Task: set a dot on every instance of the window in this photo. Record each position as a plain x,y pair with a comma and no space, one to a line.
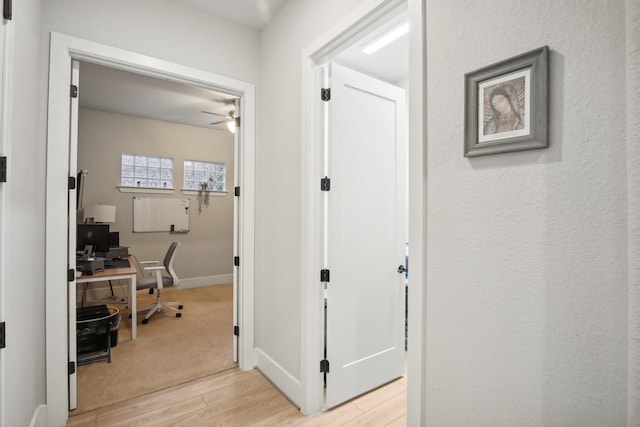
197,173
146,171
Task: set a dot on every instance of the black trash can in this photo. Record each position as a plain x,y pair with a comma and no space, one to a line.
97,332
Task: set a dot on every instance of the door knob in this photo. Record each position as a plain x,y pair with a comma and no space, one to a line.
402,269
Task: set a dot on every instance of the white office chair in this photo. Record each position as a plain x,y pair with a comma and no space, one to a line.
159,281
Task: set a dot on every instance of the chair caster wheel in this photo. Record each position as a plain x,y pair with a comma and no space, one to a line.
180,307
145,321
178,314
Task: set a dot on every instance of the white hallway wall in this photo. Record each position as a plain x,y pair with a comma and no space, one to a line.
161,29
527,259
632,46
278,190
22,297
526,265
158,28
527,304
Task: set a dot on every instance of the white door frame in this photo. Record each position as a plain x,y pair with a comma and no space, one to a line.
6,56
63,49
322,50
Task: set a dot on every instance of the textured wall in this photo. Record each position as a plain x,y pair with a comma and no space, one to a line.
527,266
633,165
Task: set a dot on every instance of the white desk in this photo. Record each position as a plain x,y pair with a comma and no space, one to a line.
115,274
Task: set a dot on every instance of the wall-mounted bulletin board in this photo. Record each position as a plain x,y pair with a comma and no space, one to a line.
153,214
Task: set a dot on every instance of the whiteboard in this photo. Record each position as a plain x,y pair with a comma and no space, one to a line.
160,214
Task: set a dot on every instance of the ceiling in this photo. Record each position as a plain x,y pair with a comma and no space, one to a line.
390,63
123,92
249,13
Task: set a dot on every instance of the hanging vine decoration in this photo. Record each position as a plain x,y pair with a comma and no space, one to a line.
203,197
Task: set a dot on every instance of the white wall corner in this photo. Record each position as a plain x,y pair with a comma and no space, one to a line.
39,418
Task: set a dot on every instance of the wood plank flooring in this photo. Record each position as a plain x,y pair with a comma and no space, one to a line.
238,398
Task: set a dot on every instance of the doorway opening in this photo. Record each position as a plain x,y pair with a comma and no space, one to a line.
365,230
65,49
328,50
122,112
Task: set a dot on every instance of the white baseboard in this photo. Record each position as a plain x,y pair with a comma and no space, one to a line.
39,418
198,282
287,383
100,291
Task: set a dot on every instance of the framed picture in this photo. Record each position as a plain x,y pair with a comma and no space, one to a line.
507,105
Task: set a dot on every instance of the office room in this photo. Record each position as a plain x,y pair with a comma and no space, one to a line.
110,125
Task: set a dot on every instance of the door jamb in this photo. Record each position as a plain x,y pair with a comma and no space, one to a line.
6,94
63,49
322,50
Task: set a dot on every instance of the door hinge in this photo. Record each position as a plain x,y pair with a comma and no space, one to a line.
3,169
7,10
325,94
236,191
236,261
236,331
325,184
324,275
72,183
324,366
71,275
237,122
74,91
3,339
71,368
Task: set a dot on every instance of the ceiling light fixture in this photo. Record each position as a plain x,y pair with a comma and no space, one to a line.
386,38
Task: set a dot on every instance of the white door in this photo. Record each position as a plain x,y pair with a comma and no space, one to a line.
365,233
71,245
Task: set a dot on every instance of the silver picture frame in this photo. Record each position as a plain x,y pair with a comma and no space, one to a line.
507,105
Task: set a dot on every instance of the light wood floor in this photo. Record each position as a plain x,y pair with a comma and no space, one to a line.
238,398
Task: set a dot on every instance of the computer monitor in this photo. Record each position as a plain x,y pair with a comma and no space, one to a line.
96,235
114,239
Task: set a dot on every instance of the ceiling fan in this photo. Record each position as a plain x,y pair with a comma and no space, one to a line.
229,119
231,116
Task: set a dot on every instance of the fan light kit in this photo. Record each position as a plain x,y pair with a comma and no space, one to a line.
229,119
